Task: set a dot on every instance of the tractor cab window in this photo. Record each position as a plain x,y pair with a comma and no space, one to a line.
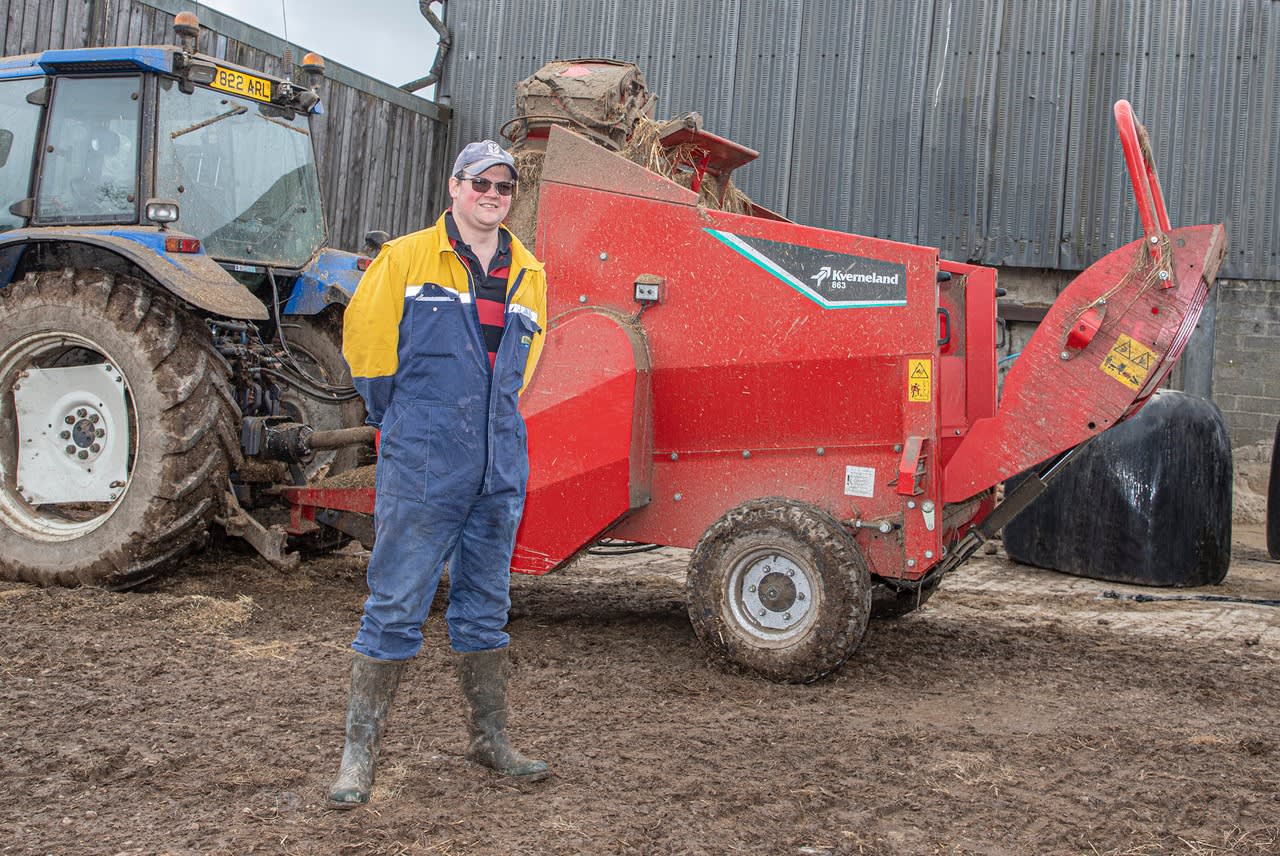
90,171
19,129
243,173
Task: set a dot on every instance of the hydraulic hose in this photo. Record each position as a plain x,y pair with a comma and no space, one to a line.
310,388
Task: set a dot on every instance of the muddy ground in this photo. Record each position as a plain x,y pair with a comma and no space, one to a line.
1016,713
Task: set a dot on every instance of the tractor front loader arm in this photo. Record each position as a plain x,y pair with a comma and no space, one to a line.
1105,345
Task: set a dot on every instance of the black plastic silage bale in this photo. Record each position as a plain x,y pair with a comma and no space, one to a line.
1147,502
1273,500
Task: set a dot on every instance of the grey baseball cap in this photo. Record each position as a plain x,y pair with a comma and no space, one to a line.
475,158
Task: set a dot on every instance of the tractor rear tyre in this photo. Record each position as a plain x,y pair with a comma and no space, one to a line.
315,341
781,588
172,420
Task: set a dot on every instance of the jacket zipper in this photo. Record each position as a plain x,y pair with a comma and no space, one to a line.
485,486
476,336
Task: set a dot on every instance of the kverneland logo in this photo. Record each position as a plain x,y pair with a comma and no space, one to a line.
840,278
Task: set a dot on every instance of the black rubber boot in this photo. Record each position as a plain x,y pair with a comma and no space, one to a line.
373,688
483,675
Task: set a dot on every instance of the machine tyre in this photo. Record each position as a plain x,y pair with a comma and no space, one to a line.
316,344
888,603
781,588
182,423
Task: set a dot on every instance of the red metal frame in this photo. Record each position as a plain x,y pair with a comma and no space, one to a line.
967,380
719,155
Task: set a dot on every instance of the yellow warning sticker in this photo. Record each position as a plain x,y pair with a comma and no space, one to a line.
919,380
1129,362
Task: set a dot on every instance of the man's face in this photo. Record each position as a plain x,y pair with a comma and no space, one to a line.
480,211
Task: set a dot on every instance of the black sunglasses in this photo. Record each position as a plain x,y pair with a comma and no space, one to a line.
482,185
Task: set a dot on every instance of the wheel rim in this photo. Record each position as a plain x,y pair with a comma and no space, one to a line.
61,521
772,596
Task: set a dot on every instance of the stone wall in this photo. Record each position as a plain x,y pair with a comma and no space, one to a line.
1246,370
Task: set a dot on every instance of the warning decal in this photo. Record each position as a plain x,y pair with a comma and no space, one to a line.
1129,362
860,481
919,380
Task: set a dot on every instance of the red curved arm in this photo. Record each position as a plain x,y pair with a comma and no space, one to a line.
1142,170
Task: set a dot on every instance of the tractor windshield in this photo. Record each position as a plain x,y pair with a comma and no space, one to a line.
243,174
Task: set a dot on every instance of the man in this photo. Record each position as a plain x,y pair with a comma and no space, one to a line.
442,334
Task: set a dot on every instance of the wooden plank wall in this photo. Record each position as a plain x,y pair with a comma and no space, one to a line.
382,153
32,25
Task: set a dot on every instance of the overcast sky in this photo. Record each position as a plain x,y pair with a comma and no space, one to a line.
386,39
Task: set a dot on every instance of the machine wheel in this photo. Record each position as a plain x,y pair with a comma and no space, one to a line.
888,602
781,588
316,344
101,371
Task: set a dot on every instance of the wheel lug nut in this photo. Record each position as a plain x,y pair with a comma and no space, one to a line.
69,419
94,418
762,613
71,450
65,435
800,596
82,413
82,454
95,448
786,617
791,573
751,588
100,433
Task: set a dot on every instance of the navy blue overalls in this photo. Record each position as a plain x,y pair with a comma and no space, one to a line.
451,475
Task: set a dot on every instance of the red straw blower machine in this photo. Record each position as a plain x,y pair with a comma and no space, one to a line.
814,413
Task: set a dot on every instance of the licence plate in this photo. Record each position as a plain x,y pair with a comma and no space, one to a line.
239,83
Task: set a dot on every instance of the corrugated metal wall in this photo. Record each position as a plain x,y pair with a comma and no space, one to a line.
380,150
982,127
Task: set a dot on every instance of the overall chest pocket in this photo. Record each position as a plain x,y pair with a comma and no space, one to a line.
436,322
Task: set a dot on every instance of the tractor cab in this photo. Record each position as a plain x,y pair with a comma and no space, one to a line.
154,136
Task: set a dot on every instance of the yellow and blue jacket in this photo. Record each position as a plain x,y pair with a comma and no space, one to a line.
412,332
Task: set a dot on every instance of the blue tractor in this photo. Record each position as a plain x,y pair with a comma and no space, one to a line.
170,319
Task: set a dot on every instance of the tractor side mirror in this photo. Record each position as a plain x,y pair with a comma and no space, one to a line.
373,241
6,145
